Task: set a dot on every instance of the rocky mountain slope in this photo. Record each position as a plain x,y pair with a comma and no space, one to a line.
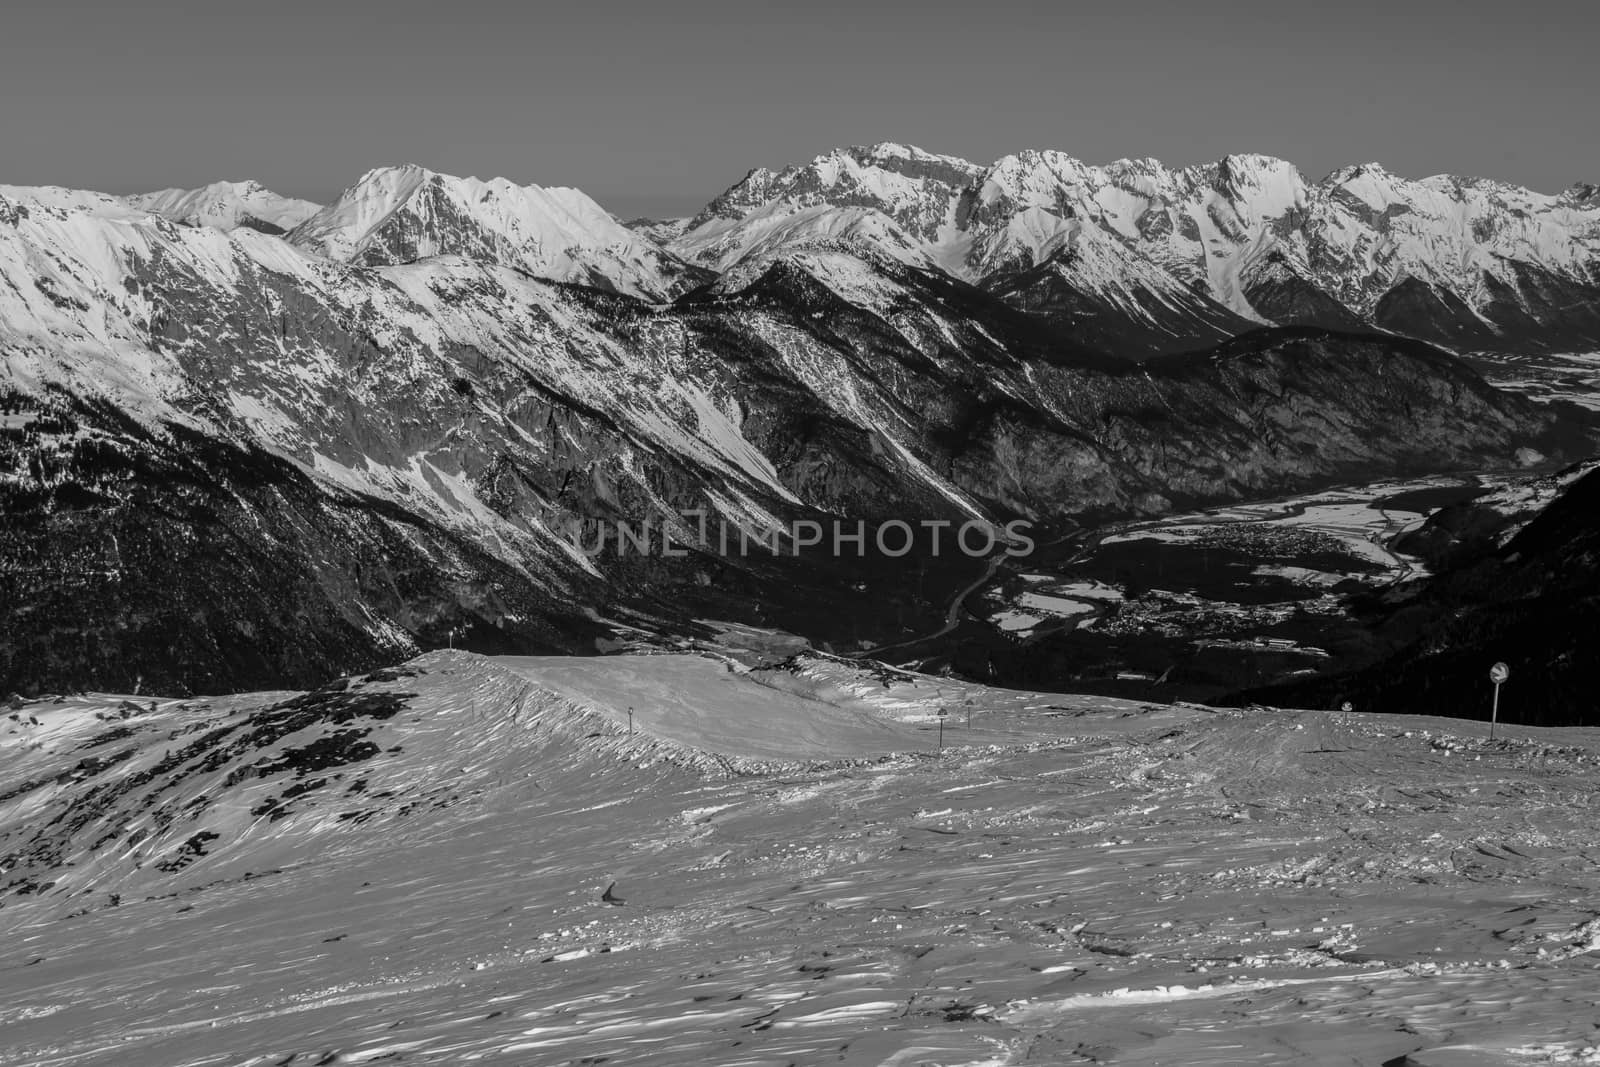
1466,262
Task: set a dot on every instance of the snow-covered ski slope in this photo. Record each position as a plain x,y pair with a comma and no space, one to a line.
410,869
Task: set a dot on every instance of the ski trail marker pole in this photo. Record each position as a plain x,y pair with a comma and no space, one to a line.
1498,675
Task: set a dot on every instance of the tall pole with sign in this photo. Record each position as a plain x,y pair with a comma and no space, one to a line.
1498,675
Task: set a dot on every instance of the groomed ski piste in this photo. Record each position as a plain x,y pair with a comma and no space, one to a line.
680,859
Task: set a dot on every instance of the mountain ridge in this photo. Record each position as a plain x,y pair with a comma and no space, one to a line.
1247,232
1473,264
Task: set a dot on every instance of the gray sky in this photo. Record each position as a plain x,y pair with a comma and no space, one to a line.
655,107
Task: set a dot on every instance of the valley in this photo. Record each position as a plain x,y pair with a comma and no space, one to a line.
1195,605
1572,377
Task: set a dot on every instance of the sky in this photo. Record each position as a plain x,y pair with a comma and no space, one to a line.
655,107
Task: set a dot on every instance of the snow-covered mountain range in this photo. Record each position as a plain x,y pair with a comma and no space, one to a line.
1462,261
1177,257
380,425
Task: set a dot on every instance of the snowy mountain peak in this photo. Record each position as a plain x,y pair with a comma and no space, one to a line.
1371,184
887,155
394,174
1031,166
1143,165
898,150
1251,171
909,185
405,213
1254,161
1354,170
228,205
63,201
913,161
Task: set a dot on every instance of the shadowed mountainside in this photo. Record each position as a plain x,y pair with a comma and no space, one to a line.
1532,602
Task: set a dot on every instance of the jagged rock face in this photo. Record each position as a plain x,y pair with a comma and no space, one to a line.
1502,268
400,447
1283,292
1531,600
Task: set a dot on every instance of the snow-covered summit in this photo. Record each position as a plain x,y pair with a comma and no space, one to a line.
62,201
228,205
405,213
909,185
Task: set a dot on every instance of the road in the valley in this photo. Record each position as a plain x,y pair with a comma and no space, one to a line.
952,615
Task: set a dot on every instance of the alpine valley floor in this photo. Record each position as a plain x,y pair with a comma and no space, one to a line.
410,868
